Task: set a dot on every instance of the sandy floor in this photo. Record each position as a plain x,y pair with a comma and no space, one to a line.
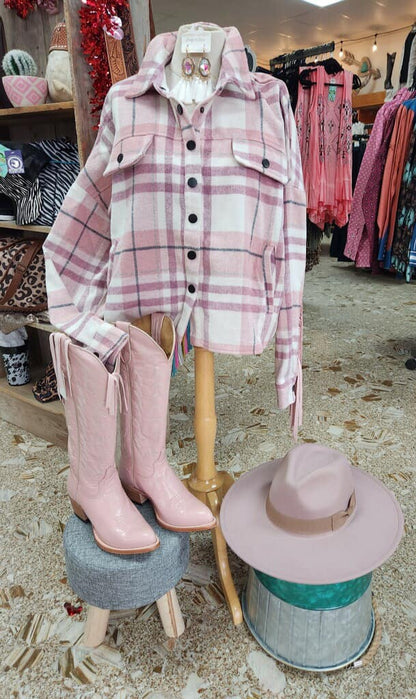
358,398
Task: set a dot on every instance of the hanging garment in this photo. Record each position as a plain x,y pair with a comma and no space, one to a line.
339,233
362,227
324,123
199,215
404,248
408,59
392,178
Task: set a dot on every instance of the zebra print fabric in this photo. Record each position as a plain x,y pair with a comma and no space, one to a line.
26,196
56,177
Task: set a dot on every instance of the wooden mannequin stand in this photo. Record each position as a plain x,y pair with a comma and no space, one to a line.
206,483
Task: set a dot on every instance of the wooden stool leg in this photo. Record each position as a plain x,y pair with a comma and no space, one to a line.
170,614
95,626
206,483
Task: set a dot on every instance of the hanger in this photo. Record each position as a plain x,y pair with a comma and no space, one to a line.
305,82
300,54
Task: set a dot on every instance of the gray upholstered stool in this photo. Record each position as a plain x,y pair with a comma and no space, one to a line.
108,581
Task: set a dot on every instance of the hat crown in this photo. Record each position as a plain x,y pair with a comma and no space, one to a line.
59,40
311,482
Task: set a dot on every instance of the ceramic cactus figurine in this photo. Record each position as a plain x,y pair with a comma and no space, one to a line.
17,62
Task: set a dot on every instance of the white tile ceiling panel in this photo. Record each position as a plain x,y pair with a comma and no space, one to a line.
275,26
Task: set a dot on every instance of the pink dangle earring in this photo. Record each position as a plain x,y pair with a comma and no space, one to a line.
204,66
188,66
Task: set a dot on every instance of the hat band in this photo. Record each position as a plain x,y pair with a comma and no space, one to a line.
322,525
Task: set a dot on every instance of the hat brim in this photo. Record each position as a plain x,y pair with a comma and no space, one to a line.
367,540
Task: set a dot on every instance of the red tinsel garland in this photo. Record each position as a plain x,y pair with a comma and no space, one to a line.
97,16
21,7
24,7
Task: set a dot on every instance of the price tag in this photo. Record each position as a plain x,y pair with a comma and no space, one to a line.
332,91
3,164
196,41
14,162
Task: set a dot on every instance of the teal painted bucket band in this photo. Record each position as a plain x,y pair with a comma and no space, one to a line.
319,597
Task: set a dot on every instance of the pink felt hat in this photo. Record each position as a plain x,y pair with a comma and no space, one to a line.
311,518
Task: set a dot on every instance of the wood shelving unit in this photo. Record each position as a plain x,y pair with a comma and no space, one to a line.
367,105
11,226
51,110
18,406
63,119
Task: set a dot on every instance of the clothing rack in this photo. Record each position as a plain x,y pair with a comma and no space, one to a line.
300,54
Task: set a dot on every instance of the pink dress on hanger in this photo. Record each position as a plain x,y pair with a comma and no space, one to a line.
324,122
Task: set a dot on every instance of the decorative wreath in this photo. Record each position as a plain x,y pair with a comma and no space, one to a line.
25,7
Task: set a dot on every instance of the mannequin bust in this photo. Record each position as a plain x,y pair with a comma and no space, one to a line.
193,89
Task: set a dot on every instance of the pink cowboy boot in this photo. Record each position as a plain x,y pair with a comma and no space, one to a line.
144,471
90,396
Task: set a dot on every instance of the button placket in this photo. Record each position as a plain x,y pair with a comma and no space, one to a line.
192,214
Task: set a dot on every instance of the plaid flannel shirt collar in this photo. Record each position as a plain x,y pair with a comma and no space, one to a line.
234,67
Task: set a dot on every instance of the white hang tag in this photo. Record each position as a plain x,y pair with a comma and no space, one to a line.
196,41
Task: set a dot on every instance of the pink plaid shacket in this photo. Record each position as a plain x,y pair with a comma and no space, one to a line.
200,215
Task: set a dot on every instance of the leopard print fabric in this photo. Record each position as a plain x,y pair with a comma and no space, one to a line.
30,296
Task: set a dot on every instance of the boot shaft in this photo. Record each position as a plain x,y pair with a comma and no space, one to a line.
90,395
146,370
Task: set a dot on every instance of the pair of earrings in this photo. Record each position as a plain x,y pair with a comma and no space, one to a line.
189,69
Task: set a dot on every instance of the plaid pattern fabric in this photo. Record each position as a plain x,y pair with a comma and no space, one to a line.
200,215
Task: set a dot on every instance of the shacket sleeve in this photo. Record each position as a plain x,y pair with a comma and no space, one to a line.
288,352
77,253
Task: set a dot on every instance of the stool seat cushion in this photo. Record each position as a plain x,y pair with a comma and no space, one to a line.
113,581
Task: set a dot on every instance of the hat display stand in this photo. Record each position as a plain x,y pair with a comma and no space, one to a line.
107,581
310,627
312,529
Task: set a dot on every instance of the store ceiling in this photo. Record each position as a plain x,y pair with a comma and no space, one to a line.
275,26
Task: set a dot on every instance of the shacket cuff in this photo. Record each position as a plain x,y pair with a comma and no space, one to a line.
114,337
286,394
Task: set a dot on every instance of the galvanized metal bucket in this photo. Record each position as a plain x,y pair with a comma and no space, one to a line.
310,627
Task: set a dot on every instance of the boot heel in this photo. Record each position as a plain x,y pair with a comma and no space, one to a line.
78,510
134,494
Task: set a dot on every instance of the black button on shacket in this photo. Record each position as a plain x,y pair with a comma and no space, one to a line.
265,162
192,218
191,255
191,289
180,109
192,182
191,145
120,157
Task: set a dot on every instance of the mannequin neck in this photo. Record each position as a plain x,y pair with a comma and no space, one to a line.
174,68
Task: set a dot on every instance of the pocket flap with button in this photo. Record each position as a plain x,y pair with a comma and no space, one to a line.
128,152
263,157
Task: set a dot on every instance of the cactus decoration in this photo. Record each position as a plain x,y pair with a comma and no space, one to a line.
17,62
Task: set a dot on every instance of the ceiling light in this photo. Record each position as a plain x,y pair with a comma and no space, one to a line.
375,43
341,50
322,3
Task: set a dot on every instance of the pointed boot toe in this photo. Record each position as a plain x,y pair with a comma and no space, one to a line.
175,507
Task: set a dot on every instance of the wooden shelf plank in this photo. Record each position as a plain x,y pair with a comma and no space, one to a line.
369,100
49,110
11,225
41,325
19,407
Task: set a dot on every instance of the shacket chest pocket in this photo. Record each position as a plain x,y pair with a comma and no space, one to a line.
124,168
264,207
126,153
269,160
